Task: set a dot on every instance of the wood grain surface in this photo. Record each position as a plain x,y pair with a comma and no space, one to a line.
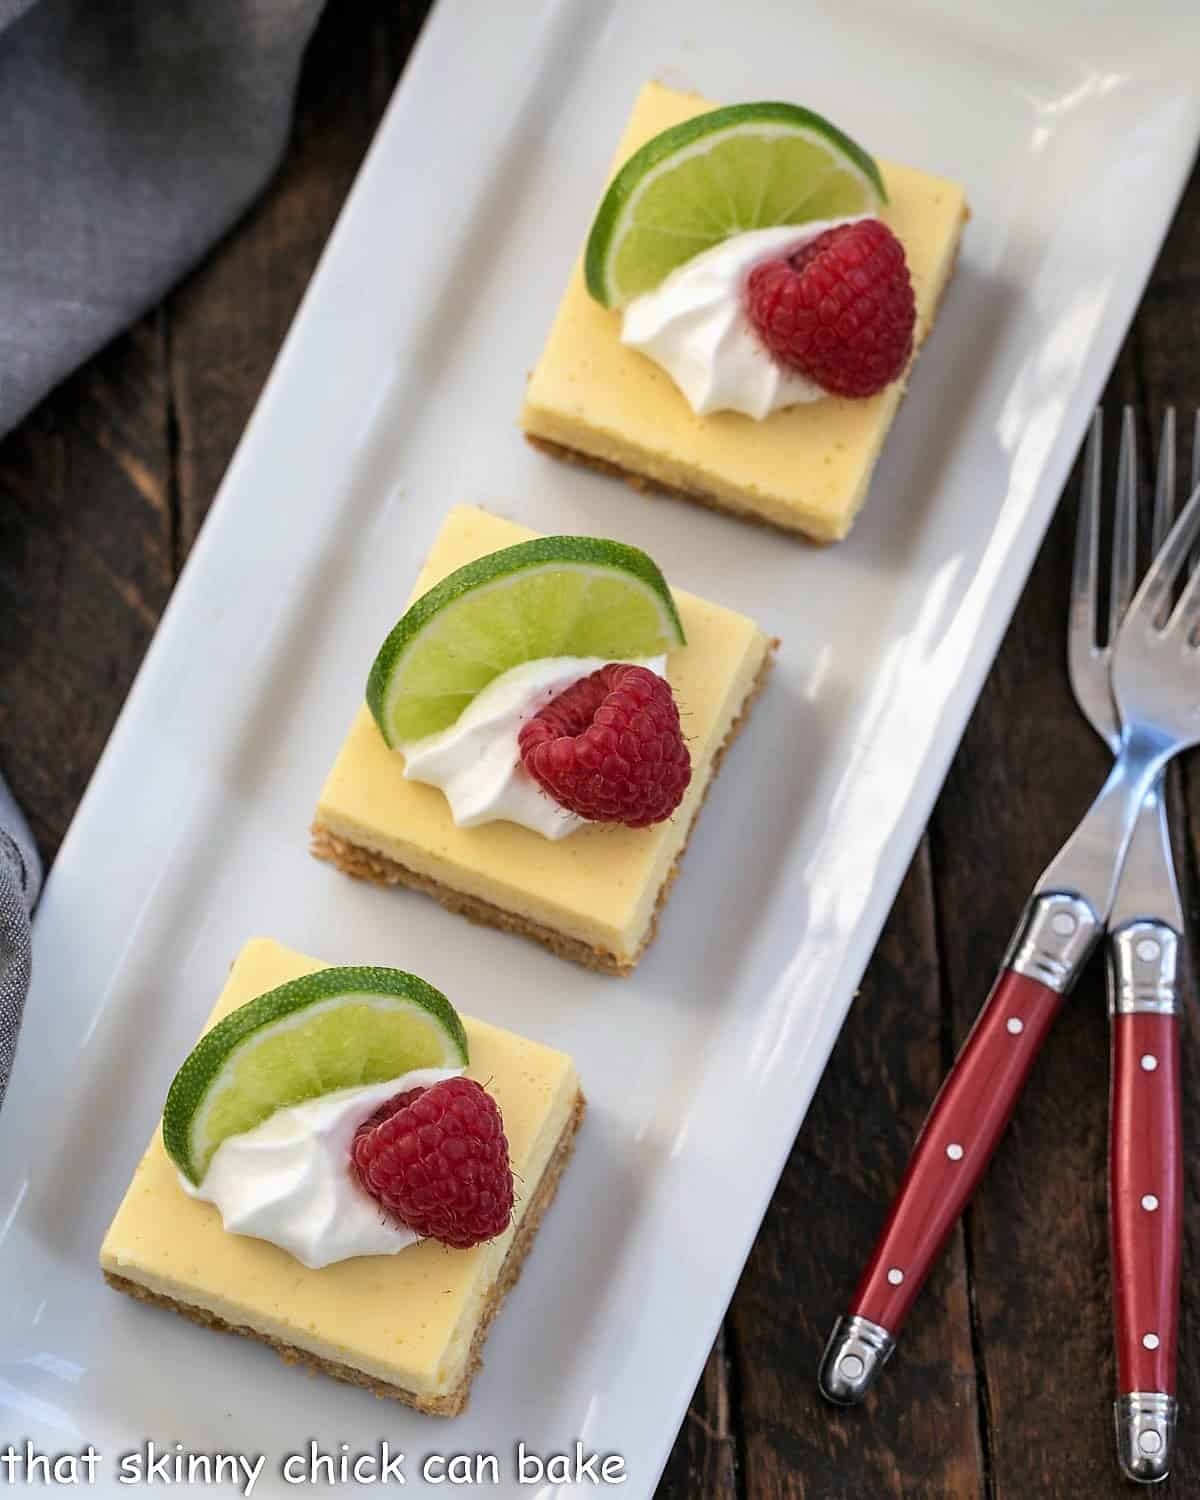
1001,1384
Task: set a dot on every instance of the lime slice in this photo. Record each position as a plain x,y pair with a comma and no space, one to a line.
554,596
748,166
331,1030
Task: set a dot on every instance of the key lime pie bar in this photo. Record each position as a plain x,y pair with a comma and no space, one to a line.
539,733
741,326
350,1172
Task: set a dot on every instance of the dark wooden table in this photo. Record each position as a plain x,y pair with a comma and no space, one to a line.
1001,1384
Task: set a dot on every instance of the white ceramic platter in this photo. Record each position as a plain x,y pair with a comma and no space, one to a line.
396,394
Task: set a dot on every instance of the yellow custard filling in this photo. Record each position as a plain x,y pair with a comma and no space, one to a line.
601,884
807,467
407,1319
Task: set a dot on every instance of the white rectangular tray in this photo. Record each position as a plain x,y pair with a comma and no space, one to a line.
395,395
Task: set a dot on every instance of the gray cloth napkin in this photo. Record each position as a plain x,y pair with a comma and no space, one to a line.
132,134
20,881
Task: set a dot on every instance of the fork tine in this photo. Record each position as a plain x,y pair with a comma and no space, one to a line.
1195,480
1164,484
1195,453
1086,567
1186,615
1164,495
1124,551
1163,573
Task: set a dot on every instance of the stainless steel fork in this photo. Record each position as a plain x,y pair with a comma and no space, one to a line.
1155,681
1145,941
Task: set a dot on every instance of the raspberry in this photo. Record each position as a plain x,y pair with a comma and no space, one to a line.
610,748
437,1160
839,310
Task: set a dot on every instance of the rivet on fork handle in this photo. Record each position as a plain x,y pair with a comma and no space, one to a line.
1145,1422
1060,929
856,1352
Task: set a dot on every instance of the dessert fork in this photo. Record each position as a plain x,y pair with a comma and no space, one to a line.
1145,938
1154,675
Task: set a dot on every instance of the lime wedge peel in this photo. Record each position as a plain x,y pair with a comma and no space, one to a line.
746,166
553,596
335,1029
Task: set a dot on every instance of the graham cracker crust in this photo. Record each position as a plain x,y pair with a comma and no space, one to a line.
455,1401
644,484
364,864
647,486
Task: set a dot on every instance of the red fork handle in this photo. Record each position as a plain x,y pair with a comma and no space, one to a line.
1146,1213
956,1143
1146,1198
1057,932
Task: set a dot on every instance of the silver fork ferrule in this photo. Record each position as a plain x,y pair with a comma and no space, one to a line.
1144,956
1145,1423
856,1352
1054,939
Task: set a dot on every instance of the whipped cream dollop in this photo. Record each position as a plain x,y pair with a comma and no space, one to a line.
476,761
289,1179
694,325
